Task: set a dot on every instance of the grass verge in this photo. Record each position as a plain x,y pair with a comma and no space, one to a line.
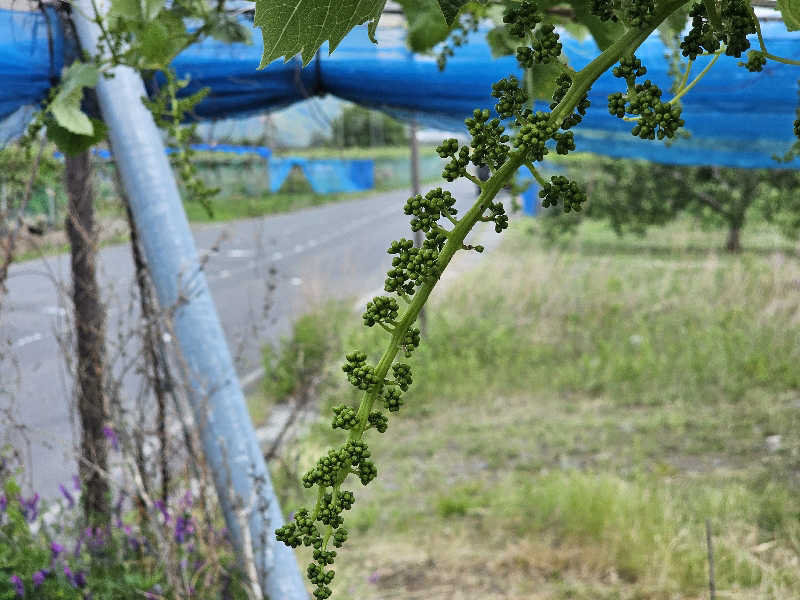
577,414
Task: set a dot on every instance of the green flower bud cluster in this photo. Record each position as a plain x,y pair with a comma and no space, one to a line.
327,469
392,399
344,417
736,21
522,18
701,37
512,98
378,420
429,209
629,68
359,373
657,119
301,531
534,134
488,140
755,61
320,577
605,10
498,215
381,309
559,188
457,167
637,14
402,375
737,24
545,45
563,83
410,340
410,267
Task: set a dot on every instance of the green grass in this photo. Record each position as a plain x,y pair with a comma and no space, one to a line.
577,414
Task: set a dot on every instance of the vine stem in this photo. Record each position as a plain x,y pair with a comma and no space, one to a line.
697,79
583,80
780,59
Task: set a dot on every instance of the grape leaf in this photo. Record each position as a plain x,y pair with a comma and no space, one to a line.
66,106
426,24
72,143
291,27
450,9
141,10
790,11
604,33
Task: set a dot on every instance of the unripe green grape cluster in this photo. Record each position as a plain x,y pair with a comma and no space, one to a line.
561,190
756,60
656,119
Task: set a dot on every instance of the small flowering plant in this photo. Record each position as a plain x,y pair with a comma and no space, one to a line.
64,559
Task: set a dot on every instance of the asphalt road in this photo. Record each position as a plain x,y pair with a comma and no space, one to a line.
332,251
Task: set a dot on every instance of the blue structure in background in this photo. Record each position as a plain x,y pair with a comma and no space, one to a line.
326,176
734,117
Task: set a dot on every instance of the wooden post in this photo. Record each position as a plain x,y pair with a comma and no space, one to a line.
90,339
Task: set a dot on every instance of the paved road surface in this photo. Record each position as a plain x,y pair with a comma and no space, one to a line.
333,251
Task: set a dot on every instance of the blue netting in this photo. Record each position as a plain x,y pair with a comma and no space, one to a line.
735,118
326,176
31,57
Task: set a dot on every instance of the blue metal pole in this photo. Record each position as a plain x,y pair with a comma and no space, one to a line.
231,448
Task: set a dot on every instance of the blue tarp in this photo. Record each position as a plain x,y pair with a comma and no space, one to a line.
261,151
734,117
326,176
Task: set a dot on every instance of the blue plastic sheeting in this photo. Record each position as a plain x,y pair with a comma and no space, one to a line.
31,57
326,176
261,151
735,118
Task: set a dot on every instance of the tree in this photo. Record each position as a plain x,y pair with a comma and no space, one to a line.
360,127
633,195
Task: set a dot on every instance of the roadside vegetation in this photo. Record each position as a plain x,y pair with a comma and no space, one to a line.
574,421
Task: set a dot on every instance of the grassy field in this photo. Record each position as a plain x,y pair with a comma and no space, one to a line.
578,413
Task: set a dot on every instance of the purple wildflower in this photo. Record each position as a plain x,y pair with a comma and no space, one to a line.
56,549
30,508
70,577
80,579
39,577
3,503
374,577
163,508
64,492
183,528
111,436
76,483
19,587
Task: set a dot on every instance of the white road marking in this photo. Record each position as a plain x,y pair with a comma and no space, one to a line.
296,281
224,274
276,256
312,243
54,310
240,253
299,248
28,339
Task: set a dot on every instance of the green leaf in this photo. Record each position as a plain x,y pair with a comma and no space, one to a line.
66,106
229,30
426,25
604,33
540,81
291,27
160,41
501,42
790,11
450,9
71,143
136,10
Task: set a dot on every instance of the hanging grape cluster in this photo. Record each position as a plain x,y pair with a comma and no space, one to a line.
504,139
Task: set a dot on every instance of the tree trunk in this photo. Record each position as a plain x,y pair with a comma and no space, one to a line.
90,334
732,244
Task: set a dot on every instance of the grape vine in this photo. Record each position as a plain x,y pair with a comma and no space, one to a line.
517,136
